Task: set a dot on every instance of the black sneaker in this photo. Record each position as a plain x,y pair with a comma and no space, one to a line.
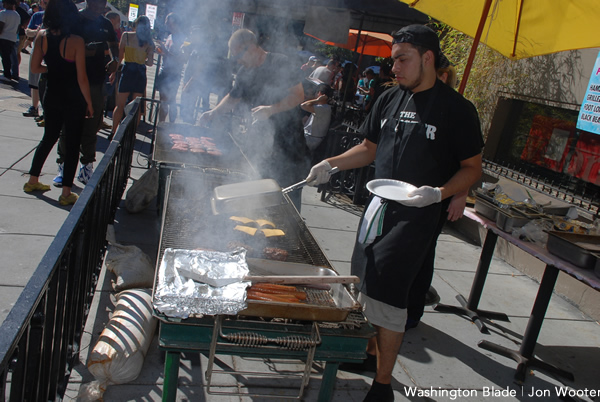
432,297
31,112
380,393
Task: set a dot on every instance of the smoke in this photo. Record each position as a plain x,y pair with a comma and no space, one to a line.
208,75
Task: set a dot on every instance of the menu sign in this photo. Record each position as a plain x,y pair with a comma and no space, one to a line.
151,13
589,114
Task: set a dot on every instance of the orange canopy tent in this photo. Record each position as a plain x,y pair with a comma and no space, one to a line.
364,42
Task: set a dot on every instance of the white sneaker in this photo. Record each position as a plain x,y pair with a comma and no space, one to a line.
57,181
85,173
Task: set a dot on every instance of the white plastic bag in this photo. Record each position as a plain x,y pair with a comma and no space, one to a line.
132,267
142,192
119,354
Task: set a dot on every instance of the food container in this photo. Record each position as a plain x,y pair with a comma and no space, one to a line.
509,219
246,196
579,249
486,208
597,269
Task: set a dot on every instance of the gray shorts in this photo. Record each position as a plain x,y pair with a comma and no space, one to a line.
383,315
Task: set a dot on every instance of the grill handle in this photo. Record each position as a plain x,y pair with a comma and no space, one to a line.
303,279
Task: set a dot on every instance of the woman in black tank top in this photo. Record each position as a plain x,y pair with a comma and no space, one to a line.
67,100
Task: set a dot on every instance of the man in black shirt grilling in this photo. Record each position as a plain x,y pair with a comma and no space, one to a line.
423,133
271,87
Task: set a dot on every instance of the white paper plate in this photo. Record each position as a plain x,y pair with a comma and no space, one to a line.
389,189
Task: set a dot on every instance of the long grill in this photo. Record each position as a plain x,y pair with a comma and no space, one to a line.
189,223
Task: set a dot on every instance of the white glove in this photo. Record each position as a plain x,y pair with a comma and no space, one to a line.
319,174
423,196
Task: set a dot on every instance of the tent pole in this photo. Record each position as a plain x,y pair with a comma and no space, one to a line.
465,77
355,51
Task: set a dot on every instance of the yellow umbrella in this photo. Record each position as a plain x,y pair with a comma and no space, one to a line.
519,28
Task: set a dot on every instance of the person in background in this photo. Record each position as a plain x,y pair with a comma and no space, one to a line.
369,89
271,87
442,158
34,81
317,124
68,100
310,65
346,84
447,72
9,25
326,73
362,87
115,20
137,50
16,54
173,59
34,8
110,87
196,81
99,35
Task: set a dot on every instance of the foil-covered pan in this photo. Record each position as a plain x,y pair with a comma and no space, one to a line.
179,292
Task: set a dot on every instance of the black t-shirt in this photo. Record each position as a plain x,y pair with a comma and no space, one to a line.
96,33
422,137
25,17
268,84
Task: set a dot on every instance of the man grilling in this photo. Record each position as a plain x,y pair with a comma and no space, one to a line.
270,85
426,134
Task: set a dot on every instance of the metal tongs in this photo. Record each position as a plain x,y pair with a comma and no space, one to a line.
304,182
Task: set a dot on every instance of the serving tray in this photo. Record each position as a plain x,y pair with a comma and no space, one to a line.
579,249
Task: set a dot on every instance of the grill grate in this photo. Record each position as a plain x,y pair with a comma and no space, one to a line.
189,222
231,158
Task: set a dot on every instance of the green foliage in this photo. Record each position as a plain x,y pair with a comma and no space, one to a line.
332,51
122,5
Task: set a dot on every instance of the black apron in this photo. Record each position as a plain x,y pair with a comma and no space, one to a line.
388,266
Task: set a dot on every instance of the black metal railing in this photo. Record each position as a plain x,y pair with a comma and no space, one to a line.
350,182
40,338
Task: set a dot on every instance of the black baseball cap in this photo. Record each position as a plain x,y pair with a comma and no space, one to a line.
419,35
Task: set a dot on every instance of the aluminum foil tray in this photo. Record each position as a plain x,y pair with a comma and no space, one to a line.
179,294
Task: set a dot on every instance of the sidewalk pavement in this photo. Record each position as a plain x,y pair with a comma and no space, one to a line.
440,357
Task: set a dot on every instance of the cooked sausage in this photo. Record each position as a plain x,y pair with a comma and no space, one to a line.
296,293
254,295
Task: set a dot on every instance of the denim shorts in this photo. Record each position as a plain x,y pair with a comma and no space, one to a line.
133,78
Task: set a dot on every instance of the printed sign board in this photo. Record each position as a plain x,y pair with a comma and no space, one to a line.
133,11
589,114
151,13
